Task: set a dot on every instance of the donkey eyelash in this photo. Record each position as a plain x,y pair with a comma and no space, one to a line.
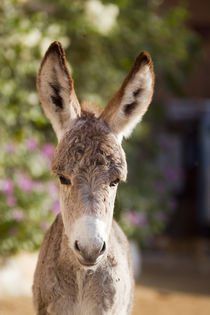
64,180
114,183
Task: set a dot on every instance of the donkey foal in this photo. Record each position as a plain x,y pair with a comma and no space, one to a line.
84,263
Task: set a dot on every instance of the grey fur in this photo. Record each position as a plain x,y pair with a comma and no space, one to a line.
62,286
90,155
90,161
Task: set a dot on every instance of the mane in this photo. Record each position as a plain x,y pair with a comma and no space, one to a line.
91,108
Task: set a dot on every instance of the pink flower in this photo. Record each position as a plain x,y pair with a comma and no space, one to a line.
10,149
161,216
38,186
172,204
13,231
56,207
18,215
44,226
171,174
32,144
159,186
135,218
25,184
52,188
11,201
165,143
7,186
48,150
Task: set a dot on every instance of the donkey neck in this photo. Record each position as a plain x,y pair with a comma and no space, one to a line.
85,281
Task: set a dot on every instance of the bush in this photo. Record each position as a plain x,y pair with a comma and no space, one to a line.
102,40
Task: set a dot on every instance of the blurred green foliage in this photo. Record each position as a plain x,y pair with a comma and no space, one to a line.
101,40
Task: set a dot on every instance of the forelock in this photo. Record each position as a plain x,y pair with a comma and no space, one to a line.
89,144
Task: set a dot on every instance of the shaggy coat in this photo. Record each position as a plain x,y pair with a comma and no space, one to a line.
84,263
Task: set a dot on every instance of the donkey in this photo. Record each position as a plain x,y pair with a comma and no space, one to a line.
84,263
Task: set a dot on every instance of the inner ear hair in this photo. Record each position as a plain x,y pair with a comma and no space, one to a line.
139,87
129,108
129,104
56,49
55,56
56,89
55,97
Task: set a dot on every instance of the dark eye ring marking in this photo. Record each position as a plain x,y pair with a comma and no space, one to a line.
64,180
114,183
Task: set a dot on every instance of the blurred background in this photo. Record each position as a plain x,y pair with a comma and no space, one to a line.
164,208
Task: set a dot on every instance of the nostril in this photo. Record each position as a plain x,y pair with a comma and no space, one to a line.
103,248
76,246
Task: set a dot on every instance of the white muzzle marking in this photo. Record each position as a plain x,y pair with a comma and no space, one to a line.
89,232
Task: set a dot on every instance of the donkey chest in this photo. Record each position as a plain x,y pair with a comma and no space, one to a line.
95,294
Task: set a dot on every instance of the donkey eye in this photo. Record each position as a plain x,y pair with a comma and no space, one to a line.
64,180
114,183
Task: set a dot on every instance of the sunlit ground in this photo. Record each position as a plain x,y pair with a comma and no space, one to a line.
148,301
168,285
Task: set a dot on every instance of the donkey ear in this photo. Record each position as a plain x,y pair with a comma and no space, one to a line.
128,105
56,89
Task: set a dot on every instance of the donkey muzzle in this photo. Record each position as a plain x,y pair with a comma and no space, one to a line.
90,255
89,239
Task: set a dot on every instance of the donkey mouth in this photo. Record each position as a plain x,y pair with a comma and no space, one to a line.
87,263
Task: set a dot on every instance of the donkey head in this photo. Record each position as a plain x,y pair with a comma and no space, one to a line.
89,159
